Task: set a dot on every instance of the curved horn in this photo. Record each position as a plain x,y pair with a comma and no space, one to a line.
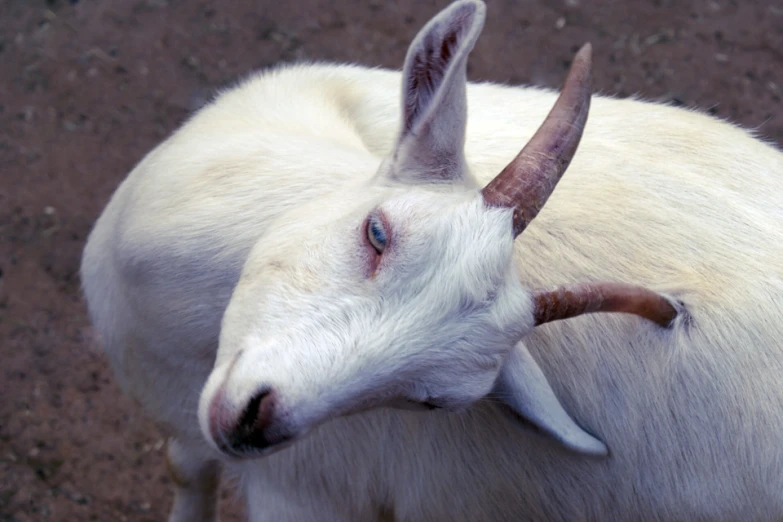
573,300
527,182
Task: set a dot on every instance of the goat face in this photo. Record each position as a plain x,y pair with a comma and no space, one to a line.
412,298
403,291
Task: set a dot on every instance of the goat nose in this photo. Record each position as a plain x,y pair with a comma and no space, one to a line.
249,430
256,417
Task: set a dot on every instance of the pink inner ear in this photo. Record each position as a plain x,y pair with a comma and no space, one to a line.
430,62
426,73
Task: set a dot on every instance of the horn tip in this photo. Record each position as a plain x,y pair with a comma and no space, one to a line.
585,52
582,66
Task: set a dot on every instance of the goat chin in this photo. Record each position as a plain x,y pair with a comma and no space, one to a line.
241,300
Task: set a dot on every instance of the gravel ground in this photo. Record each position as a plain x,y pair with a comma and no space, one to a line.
87,88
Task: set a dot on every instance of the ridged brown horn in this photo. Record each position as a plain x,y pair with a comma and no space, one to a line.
574,300
528,181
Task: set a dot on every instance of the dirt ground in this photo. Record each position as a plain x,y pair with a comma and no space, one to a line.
87,88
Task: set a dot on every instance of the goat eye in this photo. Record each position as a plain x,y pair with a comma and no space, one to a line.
376,234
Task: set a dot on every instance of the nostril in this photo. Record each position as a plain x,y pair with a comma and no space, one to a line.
257,416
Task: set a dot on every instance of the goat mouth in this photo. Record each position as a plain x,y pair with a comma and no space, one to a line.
256,446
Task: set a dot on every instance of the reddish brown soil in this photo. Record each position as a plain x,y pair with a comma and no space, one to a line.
87,88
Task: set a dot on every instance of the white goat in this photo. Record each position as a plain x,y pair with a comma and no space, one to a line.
307,256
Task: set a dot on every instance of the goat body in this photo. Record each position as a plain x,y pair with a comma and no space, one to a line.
663,197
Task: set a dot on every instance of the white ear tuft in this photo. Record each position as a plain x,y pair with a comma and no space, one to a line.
434,106
524,389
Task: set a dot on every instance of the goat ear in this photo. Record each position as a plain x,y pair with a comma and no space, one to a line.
430,146
526,396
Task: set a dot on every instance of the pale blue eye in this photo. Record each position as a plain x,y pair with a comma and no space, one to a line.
376,234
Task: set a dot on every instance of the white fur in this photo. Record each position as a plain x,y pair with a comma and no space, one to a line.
251,214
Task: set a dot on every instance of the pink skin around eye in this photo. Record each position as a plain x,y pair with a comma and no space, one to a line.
372,256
